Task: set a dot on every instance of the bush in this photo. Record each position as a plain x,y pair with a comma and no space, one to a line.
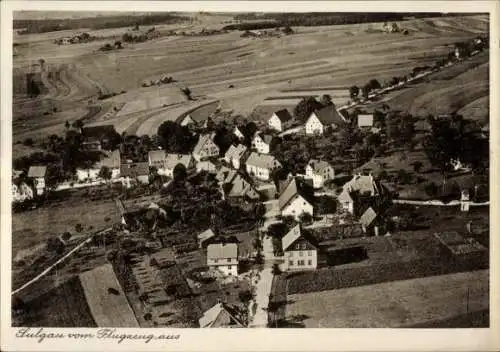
431,189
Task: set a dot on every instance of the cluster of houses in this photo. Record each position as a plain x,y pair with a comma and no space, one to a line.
76,39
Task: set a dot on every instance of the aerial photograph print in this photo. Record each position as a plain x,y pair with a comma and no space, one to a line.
250,170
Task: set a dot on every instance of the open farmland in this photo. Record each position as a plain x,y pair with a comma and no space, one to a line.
392,305
33,227
257,68
109,309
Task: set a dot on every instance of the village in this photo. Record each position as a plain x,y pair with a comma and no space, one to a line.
223,221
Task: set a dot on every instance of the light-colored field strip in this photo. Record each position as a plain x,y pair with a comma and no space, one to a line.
108,309
393,304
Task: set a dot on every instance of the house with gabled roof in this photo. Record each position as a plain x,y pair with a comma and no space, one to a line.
206,165
205,147
166,163
293,200
321,120
262,143
280,120
300,250
186,120
138,171
357,193
37,174
237,132
221,316
368,221
319,171
235,155
111,160
261,165
224,257
237,187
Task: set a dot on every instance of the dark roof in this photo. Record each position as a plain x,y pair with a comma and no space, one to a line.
284,115
99,132
329,115
134,169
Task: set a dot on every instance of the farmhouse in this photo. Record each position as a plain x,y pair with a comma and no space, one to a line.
358,192
135,171
365,120
237,187
224,257
261,165
368,221
111,160
321,120
205,238
166,163
100,137
300,251
294,201
205,147
235,154
319,171
262,143
207,166
37,175
280,120
221,316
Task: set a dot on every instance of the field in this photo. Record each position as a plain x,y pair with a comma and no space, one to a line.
391,305
63,306
109,309
256,69
32,227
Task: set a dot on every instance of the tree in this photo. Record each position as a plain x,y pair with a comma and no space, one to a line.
105,173
175,138
66,236
187,92
78,124
245,296
78,227
305,107
326,100
354,92
306,218
118,44
365,91
374,84
287,30
67,125
179,173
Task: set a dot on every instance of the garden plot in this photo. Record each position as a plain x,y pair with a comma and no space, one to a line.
106,299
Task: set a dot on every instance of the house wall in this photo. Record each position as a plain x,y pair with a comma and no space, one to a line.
143,179
301,259
275,123
257,172
236,163
260,146
229,266
39,185
314,125
87,174
209,167
298,206
209,149
348,206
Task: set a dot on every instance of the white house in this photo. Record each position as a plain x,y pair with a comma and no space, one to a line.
234,155
321,120
207,166
359,186
280,120
205,147
262,143
166,163
221,316
238,133
186,120
319,171
224,257
111,160
261,165
204,237
365,120
299,250
293,202
37,174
